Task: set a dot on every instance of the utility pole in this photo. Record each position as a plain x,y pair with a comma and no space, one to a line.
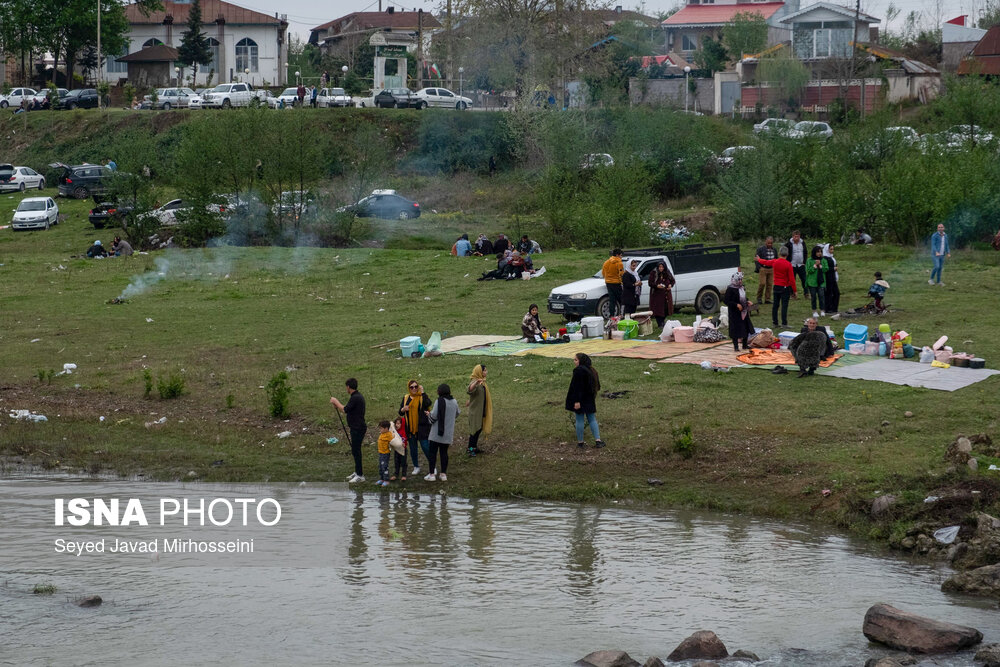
857,22
100,74
448,39
420,49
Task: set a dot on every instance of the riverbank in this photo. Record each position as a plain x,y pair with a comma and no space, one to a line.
225,321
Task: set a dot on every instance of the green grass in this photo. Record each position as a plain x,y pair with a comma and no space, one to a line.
226,321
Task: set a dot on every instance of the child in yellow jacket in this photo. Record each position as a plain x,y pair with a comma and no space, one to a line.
384,438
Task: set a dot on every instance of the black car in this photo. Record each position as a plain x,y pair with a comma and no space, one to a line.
400,98
84,98
82,181
384,204
108,214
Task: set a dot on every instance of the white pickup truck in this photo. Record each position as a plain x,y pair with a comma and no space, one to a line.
227,95
334,97
702,275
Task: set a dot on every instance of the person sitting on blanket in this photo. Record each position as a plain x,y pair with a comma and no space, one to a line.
515,266
809,348
830,345
532,327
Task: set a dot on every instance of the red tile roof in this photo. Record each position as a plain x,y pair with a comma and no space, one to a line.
211,10
376,20
699,15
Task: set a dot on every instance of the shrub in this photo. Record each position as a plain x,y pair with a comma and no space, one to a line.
278,392
171,387
147,378
683,441
44,589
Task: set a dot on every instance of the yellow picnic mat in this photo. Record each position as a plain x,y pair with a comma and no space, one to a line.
455,343
770,357
721,356
589,346
657,350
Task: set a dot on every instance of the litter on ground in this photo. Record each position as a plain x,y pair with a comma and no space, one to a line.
27,415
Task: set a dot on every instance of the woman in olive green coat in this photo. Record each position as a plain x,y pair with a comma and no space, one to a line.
480,407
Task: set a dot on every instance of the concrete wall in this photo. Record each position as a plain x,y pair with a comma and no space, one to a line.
670,93
903,87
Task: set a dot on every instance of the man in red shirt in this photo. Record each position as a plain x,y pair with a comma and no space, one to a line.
784,284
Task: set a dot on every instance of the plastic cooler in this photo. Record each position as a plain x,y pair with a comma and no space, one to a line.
786,337
855,333
683,334
592,327
409,345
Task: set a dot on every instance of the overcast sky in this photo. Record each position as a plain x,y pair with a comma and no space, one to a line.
306,14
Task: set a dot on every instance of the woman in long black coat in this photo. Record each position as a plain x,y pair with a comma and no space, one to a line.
661,300
631,288
581,398
740,326
832,285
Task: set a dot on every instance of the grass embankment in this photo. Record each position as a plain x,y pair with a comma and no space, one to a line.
227,320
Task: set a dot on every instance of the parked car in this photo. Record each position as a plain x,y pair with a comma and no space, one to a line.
35,213
333,97
591,160
82,180
295,204
903,134
108,213
19,178
42,97
171,98
400,98
702,275
870,152
227,95
441,97
778,126
385,204
289,96
15,96
199,97
166,215
366,101
811,129
968,135
728,156
83,98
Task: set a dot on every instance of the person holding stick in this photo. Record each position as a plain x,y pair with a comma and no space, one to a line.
355,411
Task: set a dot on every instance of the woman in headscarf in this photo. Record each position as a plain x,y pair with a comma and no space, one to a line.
631,288
736,301
581,398
442,417
531,326
480,407
661,299
413,408
832,279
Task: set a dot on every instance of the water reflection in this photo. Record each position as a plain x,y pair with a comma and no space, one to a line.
357,547
583,558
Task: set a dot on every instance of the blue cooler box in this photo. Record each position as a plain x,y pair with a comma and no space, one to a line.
409,345
855,333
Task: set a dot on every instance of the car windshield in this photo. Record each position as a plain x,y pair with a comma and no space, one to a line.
291,92
222,88
31,206
338,91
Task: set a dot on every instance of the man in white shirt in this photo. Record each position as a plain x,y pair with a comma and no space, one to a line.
797,256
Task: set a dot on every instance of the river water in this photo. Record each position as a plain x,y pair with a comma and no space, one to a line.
396,578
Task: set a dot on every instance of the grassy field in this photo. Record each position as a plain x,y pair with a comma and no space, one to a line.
227,320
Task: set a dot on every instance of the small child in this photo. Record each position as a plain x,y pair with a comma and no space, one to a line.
877,290
399,460
384,437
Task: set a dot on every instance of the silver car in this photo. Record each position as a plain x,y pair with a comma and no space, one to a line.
781,126
172,98
35,213
442,97
811,129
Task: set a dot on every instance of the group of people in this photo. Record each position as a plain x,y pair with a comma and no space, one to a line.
780,268
513,260
624,287
119,248
419,425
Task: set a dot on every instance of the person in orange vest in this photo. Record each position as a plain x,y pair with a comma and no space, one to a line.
613,270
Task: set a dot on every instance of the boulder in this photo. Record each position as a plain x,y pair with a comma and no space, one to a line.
963,444
989,654
986,525
90,601
882,504
703,644
883,662
984,581
607,659
973,464
746,655
908,632
653,661
979,553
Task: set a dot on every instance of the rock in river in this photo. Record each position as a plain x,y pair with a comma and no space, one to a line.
91,601
703,644
607,659
908,632
983,581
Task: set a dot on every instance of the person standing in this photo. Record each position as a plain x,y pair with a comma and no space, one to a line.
631,288
442,417
784,284
765,274
939,250
612,271
384,449
661,298
797,256
816,279
480,407
355,411
740,326
581,398
312,95
832,280
300,93
414,407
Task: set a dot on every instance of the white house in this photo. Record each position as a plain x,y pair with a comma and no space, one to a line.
825,30
247,45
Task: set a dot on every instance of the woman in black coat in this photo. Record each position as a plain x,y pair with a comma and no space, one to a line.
832,288
738,306
631,288
582,398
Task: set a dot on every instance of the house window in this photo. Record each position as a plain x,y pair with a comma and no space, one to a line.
821,43
151,42
213,48
246,55
115,67
689,43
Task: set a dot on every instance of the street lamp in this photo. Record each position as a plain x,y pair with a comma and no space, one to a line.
297,74
177,77
246,74
687,71
461,74
344,70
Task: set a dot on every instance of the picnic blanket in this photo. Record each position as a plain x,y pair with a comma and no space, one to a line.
455,343
720,356
657,350
911,373
779,357
503,348
589,346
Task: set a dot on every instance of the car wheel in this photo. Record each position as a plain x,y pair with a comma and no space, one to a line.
3,104
22,187
46,224
166,106
422,105
80,193
41,184
97,225
403,215
226,103
707,301
461,106
604,307
71,106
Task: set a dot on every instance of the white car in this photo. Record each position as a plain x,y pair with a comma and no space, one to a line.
199,97
779,126
43,95
367,101
333,97
13,99
167,214
442,97
35,213
702,275
811,129
289,96
904,134
592,160
171,98
19,178
728,156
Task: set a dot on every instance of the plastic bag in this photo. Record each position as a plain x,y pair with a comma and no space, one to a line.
433,345
668,330
397,440
926,355
946,535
